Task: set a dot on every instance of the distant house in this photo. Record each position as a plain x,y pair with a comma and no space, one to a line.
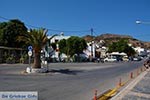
59,37
91,49
89,52
54,53
95,50
141,51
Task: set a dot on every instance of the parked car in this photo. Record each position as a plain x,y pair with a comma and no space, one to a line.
125,59
147,63
119,58
137,58
98,60
110,59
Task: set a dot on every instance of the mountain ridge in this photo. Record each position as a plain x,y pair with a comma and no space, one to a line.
108,38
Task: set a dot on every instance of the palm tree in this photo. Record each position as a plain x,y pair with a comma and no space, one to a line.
37,38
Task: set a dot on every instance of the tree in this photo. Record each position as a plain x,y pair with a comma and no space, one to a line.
73,45
63,46
9,31
2,26
54,46
37,39
121,46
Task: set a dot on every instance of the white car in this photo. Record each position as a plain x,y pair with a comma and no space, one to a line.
110,59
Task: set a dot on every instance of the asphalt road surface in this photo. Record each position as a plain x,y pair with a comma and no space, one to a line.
66,81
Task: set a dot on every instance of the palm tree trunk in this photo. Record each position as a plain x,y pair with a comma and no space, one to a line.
37,60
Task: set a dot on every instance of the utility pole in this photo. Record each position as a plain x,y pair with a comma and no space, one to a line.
92,44
91,31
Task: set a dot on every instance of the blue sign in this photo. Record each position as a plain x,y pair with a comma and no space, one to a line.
30,48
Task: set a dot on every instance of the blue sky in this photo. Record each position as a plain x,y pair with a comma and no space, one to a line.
104,16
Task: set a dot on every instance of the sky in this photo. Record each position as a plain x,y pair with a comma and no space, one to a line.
77,17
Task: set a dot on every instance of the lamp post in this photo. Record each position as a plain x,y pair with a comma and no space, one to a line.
46,55
141,22
138,22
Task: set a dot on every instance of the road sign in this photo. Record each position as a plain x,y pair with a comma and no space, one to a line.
30,48
30,53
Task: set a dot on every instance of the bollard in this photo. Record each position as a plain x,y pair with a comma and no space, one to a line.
119,84
141,70
131,75
95,95
137,72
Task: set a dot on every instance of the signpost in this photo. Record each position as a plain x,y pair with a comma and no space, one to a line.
30,54
30,48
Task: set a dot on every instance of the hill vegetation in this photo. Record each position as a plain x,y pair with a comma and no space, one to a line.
110,38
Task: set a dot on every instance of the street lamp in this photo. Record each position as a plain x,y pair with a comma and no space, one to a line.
140,22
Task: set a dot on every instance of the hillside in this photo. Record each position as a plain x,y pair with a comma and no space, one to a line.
109,38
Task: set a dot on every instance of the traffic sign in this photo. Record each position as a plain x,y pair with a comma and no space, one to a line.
30,48
30,53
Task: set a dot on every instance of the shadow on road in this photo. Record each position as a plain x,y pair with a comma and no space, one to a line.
66,71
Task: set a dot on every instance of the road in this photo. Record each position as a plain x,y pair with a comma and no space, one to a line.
71,81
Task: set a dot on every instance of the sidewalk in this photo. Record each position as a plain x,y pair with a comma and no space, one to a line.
138,89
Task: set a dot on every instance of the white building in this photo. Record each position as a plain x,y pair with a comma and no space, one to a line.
59,37
141,51
89,52
55,53
90,49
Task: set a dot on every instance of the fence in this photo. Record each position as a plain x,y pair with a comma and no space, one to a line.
12,55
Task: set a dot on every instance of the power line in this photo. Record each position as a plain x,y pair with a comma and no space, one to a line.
54,30
95,33
3,18
60,30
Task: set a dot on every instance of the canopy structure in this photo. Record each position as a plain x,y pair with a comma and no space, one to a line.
119,54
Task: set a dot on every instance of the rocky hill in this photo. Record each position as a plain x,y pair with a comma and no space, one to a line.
109,38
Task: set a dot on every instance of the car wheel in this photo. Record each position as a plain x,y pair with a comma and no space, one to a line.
147,66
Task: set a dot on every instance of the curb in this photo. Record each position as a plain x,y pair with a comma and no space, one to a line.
116,93
108,94
125,90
